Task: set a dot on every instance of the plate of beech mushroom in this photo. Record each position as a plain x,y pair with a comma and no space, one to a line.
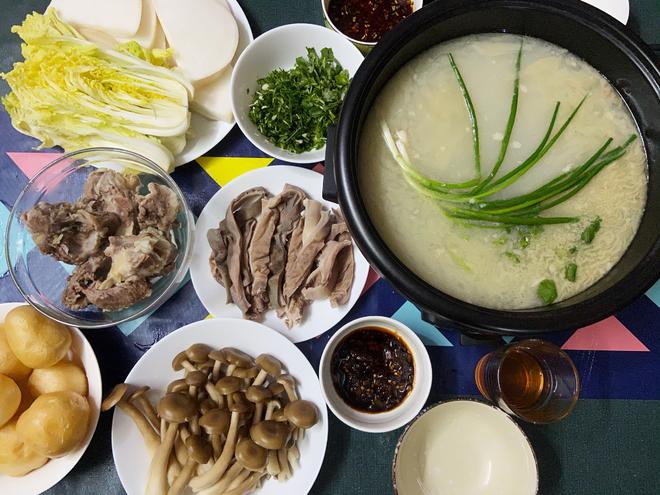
220,406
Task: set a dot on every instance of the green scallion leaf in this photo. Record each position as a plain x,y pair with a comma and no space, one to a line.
570,272
590,232
547,291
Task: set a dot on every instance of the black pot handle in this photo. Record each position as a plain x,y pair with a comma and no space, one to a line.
329,182
469,336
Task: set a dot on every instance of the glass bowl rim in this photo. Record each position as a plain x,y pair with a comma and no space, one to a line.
167,291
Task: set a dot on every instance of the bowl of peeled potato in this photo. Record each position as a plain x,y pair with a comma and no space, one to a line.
50,392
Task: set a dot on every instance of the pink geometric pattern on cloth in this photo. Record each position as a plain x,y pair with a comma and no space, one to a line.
31,162
607,335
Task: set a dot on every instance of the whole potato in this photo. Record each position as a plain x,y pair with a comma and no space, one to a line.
55,423
37,341
61,376
10,398
16,458
9,363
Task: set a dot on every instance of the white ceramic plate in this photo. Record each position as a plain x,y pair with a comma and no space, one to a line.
205,133
464,446
54,470
153,369
279,48
319,316
411,405
619,9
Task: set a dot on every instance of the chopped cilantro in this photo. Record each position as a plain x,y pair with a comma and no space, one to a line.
547,291
293,108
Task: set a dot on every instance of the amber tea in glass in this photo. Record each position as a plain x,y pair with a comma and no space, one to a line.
532,379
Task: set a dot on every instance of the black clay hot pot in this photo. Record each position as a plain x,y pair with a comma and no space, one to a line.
600,40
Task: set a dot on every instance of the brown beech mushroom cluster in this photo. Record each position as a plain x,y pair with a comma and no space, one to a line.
229,423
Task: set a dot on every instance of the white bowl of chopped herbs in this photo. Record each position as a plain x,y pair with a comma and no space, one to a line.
287,88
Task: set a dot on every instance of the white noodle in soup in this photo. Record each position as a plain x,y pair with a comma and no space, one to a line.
501,267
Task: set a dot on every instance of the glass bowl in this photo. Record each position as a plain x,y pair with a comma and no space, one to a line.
41,279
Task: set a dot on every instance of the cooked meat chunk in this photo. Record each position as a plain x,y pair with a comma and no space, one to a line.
218,258
259,254
119,296
321,281
315,230
113,192
289,206
344,264
68,232
239,220
158,208
82,278
148,254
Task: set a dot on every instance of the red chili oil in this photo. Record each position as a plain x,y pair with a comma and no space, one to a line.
372,370
368,20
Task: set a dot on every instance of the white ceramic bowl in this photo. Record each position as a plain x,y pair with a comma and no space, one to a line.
404,412
54,470
463,447
279,48
363,46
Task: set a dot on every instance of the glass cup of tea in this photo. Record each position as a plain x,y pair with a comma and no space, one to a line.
531,379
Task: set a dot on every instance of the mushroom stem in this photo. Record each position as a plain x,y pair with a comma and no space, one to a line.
216,443
258,412
292,455
272,405
261,377
230,369
273,465
163,428
214,394
246,486
224,482
285,470
148,410
182,479
180,451
194,426
238,480
222,463
151,438
157,482
173,470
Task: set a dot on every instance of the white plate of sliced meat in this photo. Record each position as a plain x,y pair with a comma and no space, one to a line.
268,248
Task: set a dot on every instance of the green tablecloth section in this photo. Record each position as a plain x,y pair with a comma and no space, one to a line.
606,447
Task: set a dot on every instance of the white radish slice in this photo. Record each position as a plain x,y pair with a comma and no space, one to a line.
98,37
146,33
204,38
120,18
213,98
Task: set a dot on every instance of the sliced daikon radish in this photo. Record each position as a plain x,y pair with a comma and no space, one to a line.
146,33
204,38
213,99
98,37
120,18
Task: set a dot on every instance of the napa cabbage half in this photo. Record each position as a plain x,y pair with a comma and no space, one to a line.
75,94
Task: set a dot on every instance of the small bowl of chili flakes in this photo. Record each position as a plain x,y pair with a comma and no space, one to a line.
375,374
365,22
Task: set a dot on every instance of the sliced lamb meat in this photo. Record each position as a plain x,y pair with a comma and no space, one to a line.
292,312
68,232
114,192
289,207
259,254
315,230
344,266
242,211
158,208
218,258
321,281
83,277
145,255
119,296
